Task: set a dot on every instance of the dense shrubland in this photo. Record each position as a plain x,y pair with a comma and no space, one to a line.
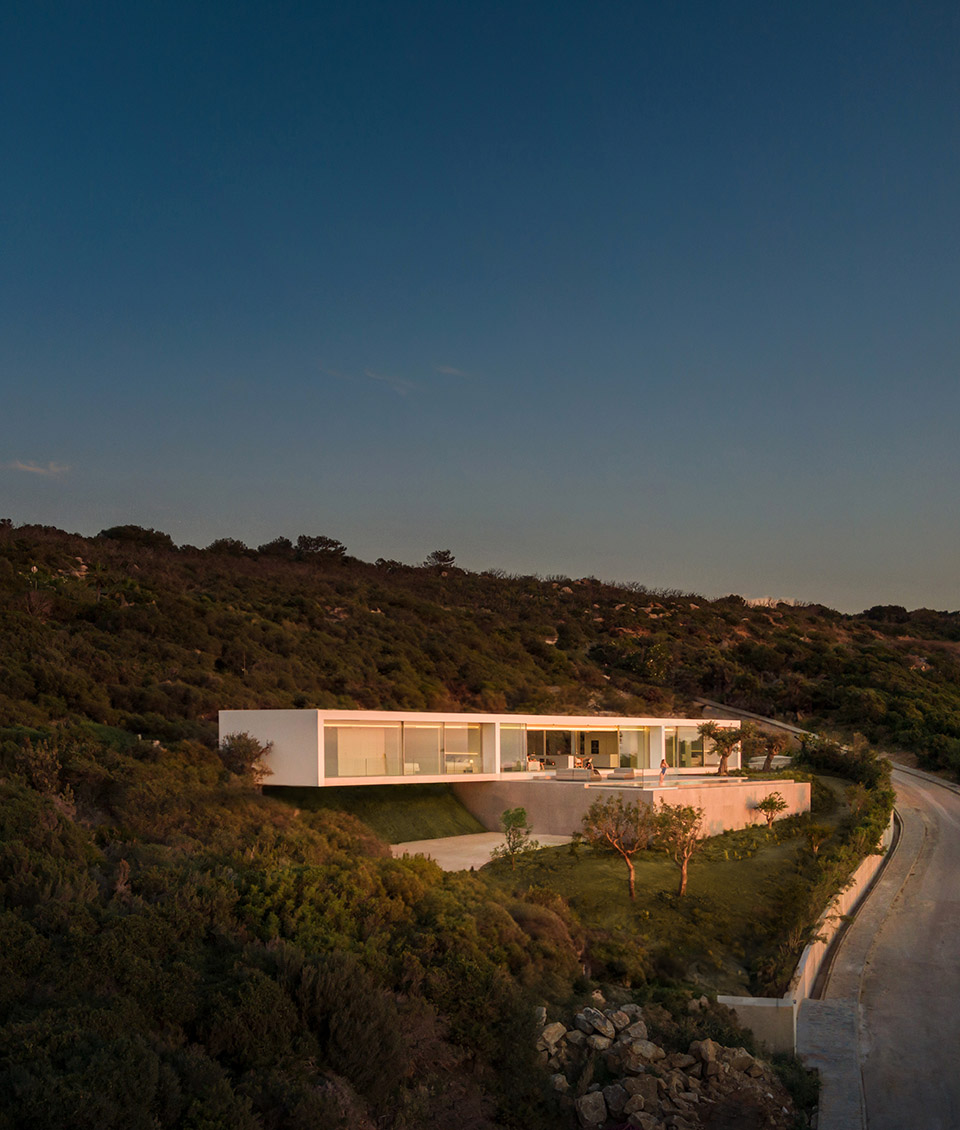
177,949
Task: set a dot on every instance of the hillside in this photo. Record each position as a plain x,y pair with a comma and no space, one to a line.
179,950
129,631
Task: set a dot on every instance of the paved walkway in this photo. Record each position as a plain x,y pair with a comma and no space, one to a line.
883,1034
459,853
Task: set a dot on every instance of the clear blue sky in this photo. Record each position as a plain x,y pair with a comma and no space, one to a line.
649,291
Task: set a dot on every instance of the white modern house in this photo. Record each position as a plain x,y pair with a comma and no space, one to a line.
368,747
554,765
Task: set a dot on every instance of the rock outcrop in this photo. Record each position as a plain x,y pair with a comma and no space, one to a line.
649,1088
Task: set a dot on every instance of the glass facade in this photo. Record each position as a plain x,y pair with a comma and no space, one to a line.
362,751
422,748
689,748
513,747
685,748
449,748
462,752
670,746
635,748
401,749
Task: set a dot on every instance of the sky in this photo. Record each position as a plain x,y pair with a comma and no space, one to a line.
666,293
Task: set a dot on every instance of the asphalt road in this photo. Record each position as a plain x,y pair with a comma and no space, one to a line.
884,1035
910,982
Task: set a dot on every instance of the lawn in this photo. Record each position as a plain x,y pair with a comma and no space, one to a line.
714,936
397,813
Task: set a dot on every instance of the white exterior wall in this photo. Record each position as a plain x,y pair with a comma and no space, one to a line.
297,737
658,747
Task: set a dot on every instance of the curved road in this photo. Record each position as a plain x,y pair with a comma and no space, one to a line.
886,1032
910,985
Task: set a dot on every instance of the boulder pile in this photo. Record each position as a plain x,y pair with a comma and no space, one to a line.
651,1089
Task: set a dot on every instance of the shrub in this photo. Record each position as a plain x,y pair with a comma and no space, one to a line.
516,836
355,1022
242,755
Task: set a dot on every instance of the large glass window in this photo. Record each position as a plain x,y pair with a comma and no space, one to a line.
635,748
558,748
422,745
513,747
670,745
462,748
710,755
689,748
361,751
601,747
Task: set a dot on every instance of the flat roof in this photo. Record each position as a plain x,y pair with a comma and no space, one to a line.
567,721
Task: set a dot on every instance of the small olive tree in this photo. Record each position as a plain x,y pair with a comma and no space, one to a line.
773,745
679,832
725,740
516,836
817,835
771,806
624,828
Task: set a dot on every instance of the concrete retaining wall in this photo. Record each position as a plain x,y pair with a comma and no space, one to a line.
558,807
774,1019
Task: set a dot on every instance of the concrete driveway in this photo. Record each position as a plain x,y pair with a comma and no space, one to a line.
460,853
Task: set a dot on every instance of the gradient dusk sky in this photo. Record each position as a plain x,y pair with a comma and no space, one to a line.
664,292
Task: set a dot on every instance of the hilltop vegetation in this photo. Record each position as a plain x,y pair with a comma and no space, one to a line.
127,630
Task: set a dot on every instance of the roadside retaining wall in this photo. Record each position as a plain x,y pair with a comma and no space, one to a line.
774,1019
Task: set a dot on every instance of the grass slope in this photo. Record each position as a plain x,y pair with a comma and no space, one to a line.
396,814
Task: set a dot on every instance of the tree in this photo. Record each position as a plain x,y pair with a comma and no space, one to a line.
773,745
230,547
816,836
279,547
771,806
768,743
516,836
725,740
612,825
679,830
439,559
320,546
242,755
138,535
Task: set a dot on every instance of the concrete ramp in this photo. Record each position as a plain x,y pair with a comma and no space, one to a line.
460,853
